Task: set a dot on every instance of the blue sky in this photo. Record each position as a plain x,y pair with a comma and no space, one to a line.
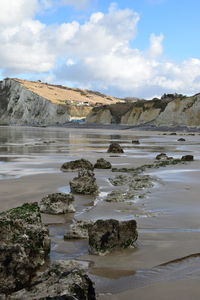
141,48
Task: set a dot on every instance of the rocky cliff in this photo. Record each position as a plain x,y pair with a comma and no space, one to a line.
171,110
29,102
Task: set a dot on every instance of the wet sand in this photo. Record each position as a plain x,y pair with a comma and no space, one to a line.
167,215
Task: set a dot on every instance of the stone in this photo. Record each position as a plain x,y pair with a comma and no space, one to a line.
172,133
62,280
115,196
187,158
108,235
181,140
77,165
115,148
84,184
162,156
78,230
24,247
137,142
120,180
102,164
57,203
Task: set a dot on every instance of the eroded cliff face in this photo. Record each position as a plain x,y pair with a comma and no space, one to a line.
170,110
20,105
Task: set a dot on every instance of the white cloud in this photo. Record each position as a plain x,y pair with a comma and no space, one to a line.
96,54
78,4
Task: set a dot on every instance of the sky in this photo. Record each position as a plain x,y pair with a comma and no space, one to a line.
124,48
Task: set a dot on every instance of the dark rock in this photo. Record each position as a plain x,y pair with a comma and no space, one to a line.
187,158
181,140
84,184
57,203
135,142
62,280
115,148
108,235
24,246
102,164
77,165
172,133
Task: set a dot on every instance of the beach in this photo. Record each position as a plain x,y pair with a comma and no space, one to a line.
166,258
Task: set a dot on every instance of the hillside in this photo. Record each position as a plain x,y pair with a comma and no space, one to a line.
29,102
171,110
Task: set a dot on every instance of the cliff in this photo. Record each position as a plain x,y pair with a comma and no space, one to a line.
29,102
171,110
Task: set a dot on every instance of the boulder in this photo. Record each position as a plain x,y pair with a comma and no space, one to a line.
57,203
136,142
84,184
102,164
62,280
115,148
25,245
163,156
108,235
77,165
78,230
187,158
181,140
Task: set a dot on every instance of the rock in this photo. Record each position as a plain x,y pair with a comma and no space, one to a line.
84,184
108,235
78,230
187,158
135,142
62,280
181,140
172,133
25,245
115,148
57,203
77,165
115,196
163,156
102,164
120,180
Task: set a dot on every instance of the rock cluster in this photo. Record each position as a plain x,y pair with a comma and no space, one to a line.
25,245
62,280
115,148
102,164
57,203
108,235
85,183
77,165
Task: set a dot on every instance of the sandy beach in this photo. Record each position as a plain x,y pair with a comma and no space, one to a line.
165,262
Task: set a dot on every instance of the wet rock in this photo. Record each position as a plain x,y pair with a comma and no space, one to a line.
102,164
77,165
84,184
120,180
62,280
187,158
181,140
163,156
115,196
25,245
136,142
115,148
78,230
108,235
172,133
57,203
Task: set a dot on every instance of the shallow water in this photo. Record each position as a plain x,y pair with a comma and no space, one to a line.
167,215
